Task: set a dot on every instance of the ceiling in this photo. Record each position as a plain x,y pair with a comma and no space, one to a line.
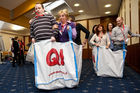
4,26
10,4
92,8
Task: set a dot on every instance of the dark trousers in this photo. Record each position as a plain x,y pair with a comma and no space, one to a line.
15,58
119,47
21,57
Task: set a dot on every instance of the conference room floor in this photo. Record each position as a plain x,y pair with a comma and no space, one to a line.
20,79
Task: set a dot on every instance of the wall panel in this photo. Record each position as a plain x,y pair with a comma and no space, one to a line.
84,23
135,19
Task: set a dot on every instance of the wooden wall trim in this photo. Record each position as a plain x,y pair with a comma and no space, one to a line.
125,10
135,68
133,57
120,6
139,20
130,19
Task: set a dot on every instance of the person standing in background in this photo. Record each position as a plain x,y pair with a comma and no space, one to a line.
93,32
21,51
15,50
120,34
101,38
80,28
110,26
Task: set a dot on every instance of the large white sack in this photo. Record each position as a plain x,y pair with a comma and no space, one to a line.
107,62
30,54
59,75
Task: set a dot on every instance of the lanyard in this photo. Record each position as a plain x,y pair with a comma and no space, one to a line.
37,15
62,28
122,30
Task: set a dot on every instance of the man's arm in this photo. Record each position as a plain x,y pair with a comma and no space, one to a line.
32,33
86,32
132,34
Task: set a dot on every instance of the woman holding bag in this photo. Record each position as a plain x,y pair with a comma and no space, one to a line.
101,38
63,27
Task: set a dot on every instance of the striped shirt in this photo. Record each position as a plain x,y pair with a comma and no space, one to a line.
41,27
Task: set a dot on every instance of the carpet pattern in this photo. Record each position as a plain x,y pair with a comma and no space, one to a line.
20,79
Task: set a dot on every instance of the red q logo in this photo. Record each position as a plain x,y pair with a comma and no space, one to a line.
55,60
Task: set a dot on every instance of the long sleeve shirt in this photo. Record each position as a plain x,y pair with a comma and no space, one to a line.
63,32
104,41
80,28
41,27
121,33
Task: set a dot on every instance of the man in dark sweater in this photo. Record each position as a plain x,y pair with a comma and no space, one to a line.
42,26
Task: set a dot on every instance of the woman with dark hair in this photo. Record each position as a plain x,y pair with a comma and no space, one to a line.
100,38
93,32
94,29
110,26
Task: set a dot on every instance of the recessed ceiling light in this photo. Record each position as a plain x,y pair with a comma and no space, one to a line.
76,5
80,11
17,27
108,5
108,12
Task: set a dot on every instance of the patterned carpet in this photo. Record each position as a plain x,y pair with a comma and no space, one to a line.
20,79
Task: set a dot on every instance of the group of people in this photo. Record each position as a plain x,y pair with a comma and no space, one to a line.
114,38
43,26
17,49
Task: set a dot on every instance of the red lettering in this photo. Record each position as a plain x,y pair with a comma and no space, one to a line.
55,60
65,73
62,57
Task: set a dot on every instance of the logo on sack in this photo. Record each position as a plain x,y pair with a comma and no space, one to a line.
55,60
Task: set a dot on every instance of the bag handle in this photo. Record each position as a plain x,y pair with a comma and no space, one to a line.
70,33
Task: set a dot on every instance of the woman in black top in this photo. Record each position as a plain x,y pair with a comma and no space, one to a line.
79,27
93,32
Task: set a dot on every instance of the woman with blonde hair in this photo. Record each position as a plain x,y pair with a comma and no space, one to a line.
64,25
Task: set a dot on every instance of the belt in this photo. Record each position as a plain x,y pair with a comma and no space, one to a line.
120,45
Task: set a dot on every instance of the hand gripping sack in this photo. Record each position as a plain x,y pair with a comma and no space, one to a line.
57,65
108,63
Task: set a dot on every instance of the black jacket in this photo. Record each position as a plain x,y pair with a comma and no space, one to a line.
79,27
